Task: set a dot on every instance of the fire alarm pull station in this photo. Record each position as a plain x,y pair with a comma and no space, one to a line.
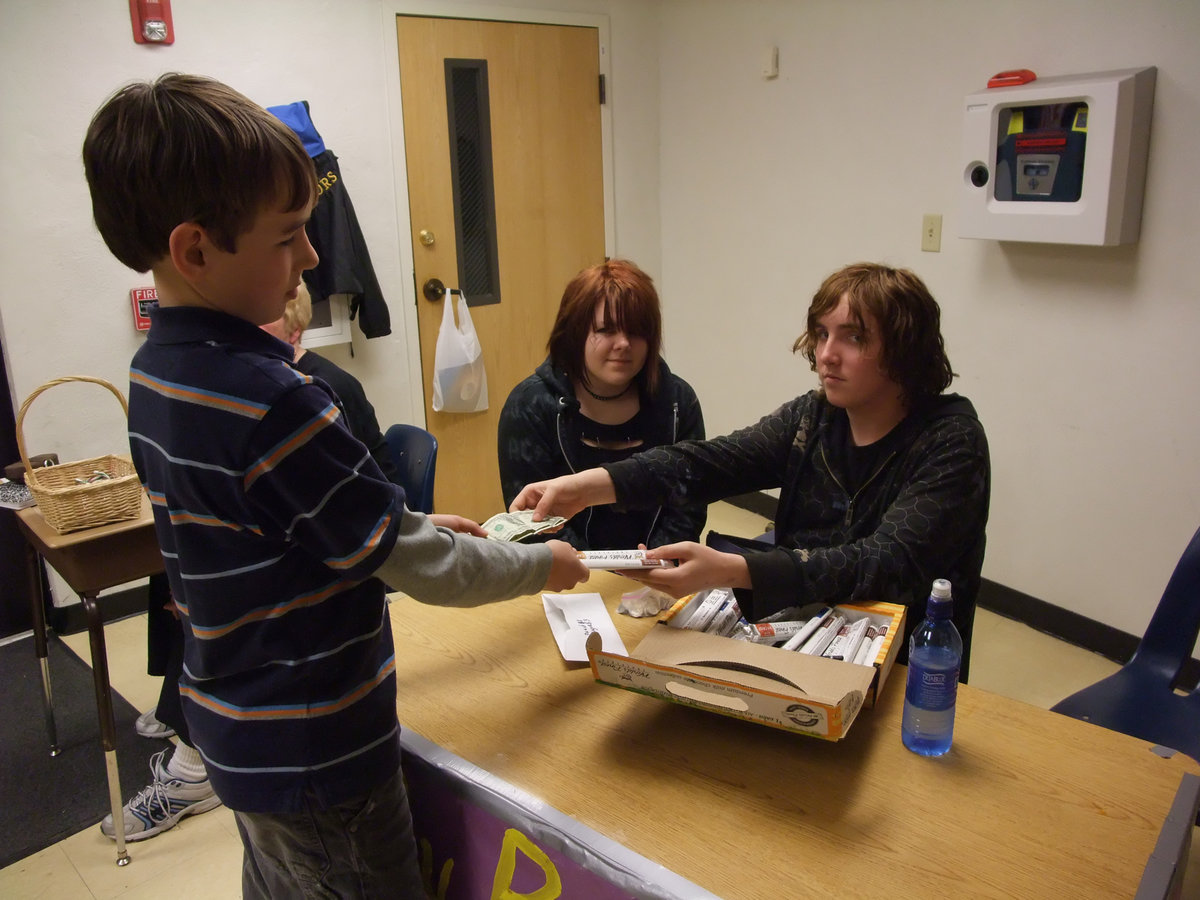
152,21
143,300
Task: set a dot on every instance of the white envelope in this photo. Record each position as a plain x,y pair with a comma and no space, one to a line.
573,617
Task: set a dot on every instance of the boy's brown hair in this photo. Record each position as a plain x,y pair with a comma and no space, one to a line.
630,304
185,148
909,320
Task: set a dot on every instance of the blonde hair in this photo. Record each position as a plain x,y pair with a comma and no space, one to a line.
298,312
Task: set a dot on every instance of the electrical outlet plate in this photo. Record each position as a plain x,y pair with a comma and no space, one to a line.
931,232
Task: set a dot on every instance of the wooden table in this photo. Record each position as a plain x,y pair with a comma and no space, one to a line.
1028,803
90,561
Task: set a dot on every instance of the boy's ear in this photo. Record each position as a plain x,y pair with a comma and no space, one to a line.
189,245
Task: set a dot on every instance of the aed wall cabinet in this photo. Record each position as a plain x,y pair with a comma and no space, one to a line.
1058,160
330,323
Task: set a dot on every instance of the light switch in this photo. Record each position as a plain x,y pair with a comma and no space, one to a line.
931,232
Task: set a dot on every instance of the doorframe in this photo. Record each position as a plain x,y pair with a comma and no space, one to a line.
451,9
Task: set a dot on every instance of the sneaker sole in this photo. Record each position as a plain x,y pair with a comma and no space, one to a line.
170,822
155,733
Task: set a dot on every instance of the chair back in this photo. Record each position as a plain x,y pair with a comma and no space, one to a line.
1171,635
414,452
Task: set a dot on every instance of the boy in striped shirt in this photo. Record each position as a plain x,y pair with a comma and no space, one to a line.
277,528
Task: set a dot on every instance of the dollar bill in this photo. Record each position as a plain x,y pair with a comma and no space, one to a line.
516,526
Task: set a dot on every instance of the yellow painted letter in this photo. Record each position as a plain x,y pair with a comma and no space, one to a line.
507,865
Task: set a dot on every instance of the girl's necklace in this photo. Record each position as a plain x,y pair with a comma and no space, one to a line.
596,396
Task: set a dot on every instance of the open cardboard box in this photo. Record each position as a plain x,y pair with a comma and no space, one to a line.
756,682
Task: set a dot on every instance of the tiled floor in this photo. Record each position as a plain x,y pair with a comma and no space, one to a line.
201,857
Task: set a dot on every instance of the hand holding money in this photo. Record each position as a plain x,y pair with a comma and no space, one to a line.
516,526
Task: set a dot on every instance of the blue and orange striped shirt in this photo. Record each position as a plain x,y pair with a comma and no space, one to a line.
272,519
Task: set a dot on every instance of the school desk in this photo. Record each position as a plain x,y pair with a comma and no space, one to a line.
90,561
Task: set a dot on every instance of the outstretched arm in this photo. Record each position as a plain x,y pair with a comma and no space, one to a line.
437,565
566,495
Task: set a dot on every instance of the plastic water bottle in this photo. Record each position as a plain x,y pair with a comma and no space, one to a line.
934,656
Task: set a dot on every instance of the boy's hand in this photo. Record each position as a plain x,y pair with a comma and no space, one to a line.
458,523
567,569
566,495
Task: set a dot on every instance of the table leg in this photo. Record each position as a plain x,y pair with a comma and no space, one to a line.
38,610
108,727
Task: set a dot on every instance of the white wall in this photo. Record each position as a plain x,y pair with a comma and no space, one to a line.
1081,361
739,195
65,308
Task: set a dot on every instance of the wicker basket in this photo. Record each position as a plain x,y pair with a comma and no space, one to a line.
68,505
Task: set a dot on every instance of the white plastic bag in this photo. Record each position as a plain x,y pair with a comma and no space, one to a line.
459,379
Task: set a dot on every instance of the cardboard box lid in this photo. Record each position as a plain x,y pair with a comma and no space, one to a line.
756,666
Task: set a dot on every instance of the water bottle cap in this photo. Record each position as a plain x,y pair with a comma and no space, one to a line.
940,604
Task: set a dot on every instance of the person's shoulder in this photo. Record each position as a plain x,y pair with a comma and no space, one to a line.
950,419
214,351
259,372
543,383
682,390
331,373
213,371
313,363
812,404
677,387
951,410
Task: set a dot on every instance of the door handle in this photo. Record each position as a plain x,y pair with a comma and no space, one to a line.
433,290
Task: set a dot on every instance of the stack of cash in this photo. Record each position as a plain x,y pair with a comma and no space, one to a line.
516,526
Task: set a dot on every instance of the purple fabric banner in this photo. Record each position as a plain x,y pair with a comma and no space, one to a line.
469,854
481,838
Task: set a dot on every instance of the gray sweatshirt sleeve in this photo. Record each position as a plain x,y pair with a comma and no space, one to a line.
437,565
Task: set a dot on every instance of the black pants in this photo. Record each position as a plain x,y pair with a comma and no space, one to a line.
164,656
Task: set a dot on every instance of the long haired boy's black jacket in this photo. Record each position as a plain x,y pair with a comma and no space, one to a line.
919,516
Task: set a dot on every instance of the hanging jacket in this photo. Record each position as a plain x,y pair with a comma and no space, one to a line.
540,437
345,265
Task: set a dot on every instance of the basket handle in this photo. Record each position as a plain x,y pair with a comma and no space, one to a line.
45,387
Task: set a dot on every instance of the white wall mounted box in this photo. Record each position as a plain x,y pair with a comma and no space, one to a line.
330,323
1021,182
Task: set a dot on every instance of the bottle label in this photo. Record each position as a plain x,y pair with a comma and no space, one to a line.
932,687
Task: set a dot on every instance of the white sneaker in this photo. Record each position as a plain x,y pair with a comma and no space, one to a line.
149,727
160,805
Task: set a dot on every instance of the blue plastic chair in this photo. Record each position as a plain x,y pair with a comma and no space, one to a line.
1140,699
414,451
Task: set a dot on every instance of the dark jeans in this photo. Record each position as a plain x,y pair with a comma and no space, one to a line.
363,848
164,655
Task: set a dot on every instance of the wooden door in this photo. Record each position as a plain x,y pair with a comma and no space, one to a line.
542,112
